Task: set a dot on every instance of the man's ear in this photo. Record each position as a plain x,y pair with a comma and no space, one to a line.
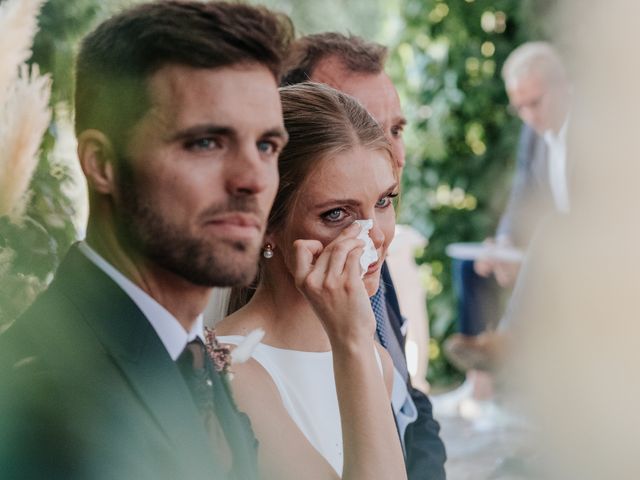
97,158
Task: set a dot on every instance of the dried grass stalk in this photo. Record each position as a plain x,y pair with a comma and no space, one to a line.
18,27
24,119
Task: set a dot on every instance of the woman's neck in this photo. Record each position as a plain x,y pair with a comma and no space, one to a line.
294,322
279,308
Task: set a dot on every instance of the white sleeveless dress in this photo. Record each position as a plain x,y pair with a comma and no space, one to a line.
307,387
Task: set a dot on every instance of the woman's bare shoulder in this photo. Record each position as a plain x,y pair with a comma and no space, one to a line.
238,323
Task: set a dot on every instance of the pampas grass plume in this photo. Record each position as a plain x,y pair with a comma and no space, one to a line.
24,119
18,27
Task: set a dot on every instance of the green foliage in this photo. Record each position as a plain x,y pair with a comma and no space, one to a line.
62,24
32,246
360,17
461,142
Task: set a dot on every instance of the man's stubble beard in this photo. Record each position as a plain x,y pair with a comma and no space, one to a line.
145,230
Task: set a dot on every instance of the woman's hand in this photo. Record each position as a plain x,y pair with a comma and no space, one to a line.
330,279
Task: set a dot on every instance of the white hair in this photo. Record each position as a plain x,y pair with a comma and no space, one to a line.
538,57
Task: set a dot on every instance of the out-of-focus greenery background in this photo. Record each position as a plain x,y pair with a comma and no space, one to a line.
445,58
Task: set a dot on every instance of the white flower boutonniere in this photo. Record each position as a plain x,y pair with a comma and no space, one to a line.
223,357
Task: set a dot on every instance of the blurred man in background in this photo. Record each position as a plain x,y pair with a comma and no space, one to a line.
539,93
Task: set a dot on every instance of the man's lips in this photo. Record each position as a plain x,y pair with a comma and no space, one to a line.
236,224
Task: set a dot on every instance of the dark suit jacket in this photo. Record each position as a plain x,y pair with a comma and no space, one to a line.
425,450
531,197
87,390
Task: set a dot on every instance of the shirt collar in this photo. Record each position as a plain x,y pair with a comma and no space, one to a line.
172,335
551,137
381,290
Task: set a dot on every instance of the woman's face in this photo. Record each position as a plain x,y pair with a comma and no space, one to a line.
354,185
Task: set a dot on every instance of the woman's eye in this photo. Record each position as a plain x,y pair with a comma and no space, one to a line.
384,202
335,215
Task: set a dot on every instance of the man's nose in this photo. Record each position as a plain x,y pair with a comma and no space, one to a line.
248,173
398,153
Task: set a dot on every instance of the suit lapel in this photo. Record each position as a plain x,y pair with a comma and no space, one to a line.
159,384
540,161
236,427
392,304
139,354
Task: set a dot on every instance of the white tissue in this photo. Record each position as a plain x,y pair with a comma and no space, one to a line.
370,255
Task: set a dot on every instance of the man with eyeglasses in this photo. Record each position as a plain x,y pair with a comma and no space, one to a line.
539,93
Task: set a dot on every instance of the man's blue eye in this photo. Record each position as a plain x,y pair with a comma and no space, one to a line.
266,147
202,144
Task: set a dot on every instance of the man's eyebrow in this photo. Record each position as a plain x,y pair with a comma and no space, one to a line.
277,132
402,121
198,130
211,129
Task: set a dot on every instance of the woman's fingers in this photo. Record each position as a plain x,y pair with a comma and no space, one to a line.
306,252
352,268
333,254
338,256
337,246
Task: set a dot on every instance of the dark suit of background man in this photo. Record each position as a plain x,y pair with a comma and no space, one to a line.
356,67
539,93
104,376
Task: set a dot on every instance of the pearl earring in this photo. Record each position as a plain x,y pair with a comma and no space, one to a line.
267,251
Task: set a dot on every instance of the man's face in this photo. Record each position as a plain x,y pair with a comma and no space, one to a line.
376,93
539,103
200,172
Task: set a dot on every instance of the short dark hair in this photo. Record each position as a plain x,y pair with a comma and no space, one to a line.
356,54
119,56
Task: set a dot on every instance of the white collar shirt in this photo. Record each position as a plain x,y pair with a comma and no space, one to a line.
172,335
557,145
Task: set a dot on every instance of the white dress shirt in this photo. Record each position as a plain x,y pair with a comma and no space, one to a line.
172,335
557,145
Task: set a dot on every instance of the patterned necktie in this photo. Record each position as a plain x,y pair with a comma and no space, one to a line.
196,370
385,333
